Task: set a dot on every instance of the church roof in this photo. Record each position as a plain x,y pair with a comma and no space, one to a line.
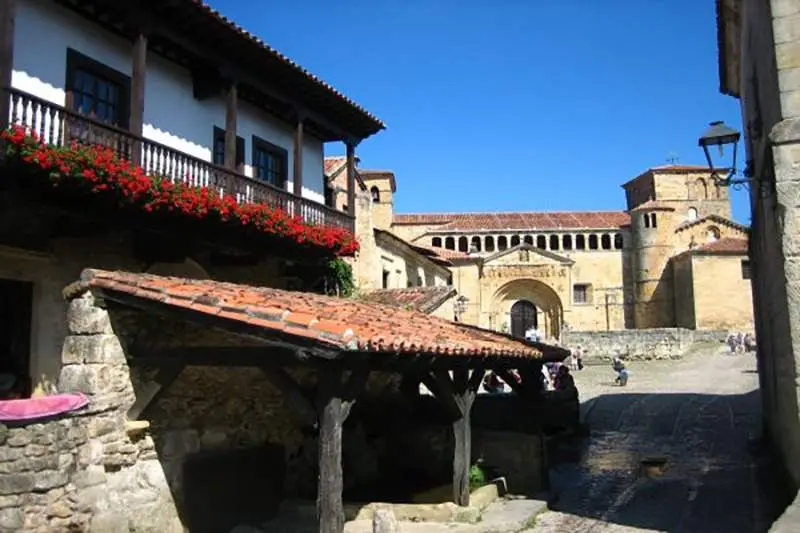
555,220
712,218
421,299
726,245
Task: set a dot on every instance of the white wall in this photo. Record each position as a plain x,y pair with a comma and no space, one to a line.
172,116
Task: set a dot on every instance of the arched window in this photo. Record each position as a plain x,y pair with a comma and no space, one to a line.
475,244
593,242
554,244
646,218
515,240
450,243
700,189
541,242
376,194
653,220
489,246
713,233
502,243
691,214
436,242
566,242
463,244
580,242
605,241
618,242
528,239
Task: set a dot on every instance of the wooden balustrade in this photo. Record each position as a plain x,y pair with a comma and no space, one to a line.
58,126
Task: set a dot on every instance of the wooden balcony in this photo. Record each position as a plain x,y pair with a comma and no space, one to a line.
58,126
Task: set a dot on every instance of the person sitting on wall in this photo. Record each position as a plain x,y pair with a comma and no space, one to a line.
492,383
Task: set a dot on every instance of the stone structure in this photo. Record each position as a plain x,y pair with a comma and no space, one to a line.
86,471
640,344
759,47
652,266
385,261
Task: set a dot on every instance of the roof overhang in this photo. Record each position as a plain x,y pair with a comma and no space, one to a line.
729,43
196,36
314,327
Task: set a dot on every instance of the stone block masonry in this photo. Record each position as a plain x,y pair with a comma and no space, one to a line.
639,344
82,472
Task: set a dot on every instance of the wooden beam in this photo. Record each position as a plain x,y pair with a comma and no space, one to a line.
293,393
298,158
334,401
138,79
7,15
231,111
165,377
351,179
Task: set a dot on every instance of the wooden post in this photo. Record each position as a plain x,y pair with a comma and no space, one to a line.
333,404
351,179
458,396
6,58
138,78
231,109
298,157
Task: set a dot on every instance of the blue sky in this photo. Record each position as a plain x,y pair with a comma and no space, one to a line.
512,105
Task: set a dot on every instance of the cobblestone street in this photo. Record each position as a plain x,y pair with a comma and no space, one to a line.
695,421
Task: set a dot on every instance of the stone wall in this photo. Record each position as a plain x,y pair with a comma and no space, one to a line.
83,471
639,344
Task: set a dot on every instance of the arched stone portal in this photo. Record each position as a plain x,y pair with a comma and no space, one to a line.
523,317
544,300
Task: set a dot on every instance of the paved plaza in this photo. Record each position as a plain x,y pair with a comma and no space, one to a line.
694,424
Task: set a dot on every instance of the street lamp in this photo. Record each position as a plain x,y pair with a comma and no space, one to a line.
720,135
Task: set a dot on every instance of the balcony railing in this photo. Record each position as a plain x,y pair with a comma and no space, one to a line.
58,126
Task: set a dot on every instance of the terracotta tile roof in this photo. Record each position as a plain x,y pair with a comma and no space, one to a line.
725,245
653,205
443,253
231,25
327,322
334,165
517,221
381,235
712,218
422,299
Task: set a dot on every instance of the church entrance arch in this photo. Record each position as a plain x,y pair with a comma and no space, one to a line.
524,316
515,303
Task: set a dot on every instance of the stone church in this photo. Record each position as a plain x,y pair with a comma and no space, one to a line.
673,258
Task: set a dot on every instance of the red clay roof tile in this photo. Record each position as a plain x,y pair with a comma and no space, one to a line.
335,322
725,245
422,299
516,221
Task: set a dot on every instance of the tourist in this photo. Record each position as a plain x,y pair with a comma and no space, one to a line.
492,383
564,380
621,370
739,342
580,353
732,342
546,381
749,343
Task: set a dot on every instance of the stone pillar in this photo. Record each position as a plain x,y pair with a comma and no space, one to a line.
120,484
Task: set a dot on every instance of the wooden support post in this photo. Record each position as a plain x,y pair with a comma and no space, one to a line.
298,157
138,78
335,399
297,401
231,110
6,58
165,377
458,395
351,179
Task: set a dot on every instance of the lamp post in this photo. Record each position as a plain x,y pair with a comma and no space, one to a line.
718,136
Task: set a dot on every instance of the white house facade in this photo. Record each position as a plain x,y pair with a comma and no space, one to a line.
114,63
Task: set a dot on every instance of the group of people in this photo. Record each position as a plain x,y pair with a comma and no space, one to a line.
741,342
